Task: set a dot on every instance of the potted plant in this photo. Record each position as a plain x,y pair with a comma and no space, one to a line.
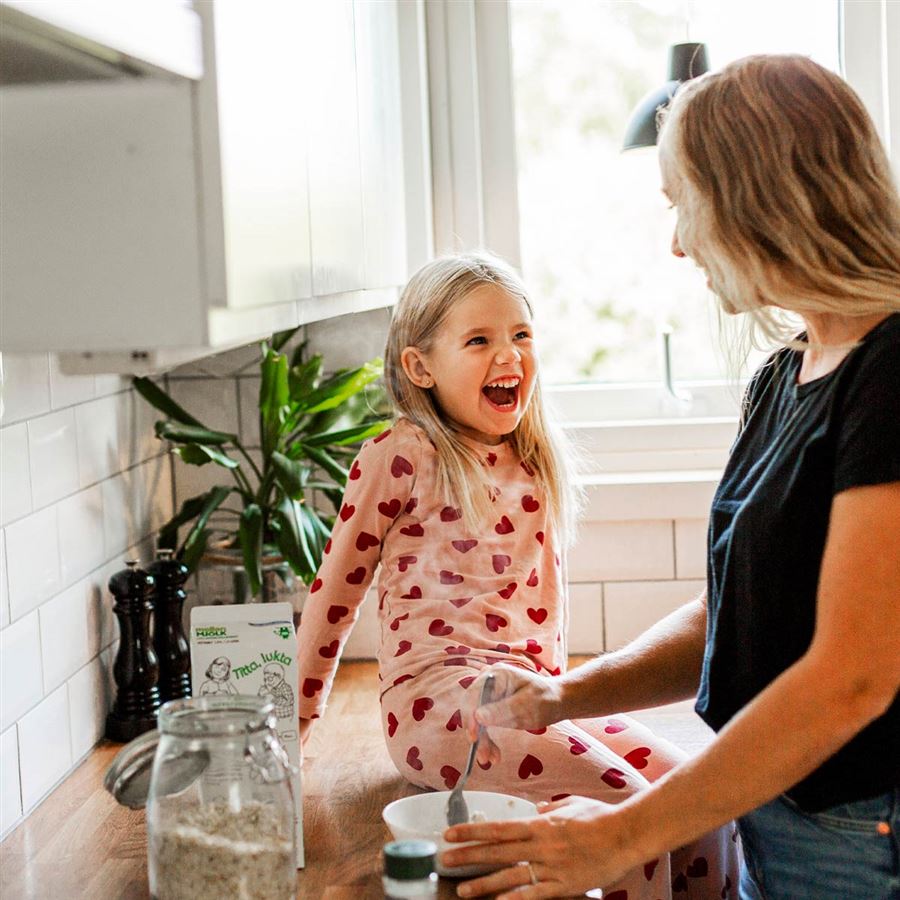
309,428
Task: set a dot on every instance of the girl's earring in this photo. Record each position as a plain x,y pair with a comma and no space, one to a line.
427,383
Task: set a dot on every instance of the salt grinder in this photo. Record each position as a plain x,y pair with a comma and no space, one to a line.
169,641
136,669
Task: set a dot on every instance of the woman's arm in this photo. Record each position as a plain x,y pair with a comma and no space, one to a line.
848,677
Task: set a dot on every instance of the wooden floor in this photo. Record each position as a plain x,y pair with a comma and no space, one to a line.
80,843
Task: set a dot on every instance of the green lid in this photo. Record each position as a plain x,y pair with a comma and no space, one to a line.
409,860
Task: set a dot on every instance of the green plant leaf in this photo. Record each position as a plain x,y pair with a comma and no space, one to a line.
192,555
193,434
213,500
302,379
293,540
159,399
250,537
323,459
200,455
347,435
316,533
273,398
190,509
335,390
335,495
290,474
280,338
298,357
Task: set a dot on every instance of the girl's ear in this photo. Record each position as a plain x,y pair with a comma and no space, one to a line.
416,367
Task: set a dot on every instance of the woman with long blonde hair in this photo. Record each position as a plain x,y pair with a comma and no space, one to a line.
786,201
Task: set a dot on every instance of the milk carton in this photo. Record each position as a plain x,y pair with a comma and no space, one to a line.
251,649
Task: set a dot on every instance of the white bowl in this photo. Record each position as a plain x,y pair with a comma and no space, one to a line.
424,817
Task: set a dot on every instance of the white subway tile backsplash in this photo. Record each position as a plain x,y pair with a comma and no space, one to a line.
45,749
631,607
617,551
32,558
118,519
586,618
87,707
15,473
213,401
690,548
104,385
104,435
248,395
70,632
20,669
4,584
10,790
67,390
26,385
53,452
81,546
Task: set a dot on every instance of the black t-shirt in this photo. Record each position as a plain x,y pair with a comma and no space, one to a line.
800,445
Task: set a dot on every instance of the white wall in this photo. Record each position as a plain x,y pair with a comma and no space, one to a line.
83,482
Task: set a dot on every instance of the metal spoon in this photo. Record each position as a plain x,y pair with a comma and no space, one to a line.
457,811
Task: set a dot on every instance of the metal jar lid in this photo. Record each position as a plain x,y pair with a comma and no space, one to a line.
409,860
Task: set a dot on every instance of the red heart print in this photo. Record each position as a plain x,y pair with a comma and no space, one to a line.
699,868
536,730
458,650
501,562
614,726
555,671
726,889
454,722
464,546
529,504
530,765
412,759
614,778
465,682
364,540
460,602
494,622
556,797
537,615
354,472
381,600
679,884
390,508
329,652
439,628
403,647
404,562
415,593
327,549
401,679
411,504
532,579
578,747
527,469
638,757
357,575
502,648
315,585
454,661
420,706
508,591
392,724
401,466
539,537
450,577
450,514
533,647
650,868
504,526
336,613
347,511
311,686
382,436
617,895
412,530
450,776
484,766
396,623
491,458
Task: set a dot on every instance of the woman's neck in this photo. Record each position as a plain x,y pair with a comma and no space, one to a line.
831,337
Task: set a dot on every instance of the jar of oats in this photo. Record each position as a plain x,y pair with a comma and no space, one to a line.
220,810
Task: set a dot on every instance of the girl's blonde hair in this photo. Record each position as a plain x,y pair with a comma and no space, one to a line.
463,479
786,194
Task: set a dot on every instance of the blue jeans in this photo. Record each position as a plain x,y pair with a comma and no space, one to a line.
846,852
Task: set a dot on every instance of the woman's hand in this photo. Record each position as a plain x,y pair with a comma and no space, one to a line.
521,699
574,846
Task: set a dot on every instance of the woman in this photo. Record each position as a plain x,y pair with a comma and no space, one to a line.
785,199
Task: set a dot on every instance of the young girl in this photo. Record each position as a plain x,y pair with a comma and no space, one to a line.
464,504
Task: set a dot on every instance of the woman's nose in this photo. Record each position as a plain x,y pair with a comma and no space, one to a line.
676,247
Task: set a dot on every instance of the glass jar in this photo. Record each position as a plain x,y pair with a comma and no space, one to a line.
220,809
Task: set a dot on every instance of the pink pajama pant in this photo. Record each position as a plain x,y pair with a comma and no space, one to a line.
607,758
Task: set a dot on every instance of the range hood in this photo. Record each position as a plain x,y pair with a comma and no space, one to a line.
44,41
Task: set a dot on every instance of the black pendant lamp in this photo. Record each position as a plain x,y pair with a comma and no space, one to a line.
686,61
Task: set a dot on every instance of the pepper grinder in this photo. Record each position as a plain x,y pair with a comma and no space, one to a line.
136,669
169,641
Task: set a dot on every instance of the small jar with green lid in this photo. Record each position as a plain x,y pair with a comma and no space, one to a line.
409,870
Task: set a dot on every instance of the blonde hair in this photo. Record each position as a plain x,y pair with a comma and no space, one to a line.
786,192
463,479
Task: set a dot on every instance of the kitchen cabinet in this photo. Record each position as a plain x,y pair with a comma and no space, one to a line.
147,221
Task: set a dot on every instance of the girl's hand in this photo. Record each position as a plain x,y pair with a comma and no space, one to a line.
574,846
305,728
521,699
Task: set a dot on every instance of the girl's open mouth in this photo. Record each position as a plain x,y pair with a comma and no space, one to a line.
502,394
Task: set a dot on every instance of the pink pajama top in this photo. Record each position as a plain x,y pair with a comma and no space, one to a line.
445,597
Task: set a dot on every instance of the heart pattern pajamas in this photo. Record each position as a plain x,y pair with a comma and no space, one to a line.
450,604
